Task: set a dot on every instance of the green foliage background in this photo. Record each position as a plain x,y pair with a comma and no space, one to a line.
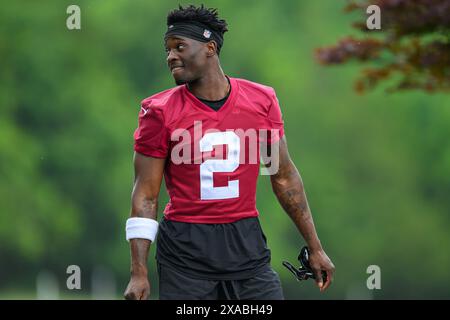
376,167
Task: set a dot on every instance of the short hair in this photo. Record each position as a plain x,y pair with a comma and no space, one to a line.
207,16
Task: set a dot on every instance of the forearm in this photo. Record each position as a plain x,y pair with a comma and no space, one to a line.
144,208
288,187
139,254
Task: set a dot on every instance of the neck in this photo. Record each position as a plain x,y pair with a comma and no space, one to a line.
211,86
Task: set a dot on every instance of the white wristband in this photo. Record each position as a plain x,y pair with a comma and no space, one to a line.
142,228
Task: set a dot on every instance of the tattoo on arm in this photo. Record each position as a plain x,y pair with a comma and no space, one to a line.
145,208
289,189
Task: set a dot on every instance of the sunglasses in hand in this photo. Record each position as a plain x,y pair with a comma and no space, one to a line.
304,272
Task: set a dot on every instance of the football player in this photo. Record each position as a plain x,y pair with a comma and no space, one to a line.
205,137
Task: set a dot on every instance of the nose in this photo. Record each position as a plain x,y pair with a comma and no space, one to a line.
171,57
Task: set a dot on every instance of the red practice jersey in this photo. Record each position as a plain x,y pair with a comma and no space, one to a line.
213,157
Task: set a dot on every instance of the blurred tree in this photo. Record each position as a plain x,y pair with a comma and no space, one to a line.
414,44
377,177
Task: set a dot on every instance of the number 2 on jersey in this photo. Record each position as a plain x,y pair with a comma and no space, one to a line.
207,168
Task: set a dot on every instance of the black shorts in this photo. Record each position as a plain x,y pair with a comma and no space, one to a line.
174,285
227,251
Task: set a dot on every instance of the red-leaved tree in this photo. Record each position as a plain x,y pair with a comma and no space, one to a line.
412,48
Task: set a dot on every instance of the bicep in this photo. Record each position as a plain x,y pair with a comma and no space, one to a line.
279,156
148,173
278,153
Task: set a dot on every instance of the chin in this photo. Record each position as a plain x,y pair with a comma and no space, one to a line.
183,78
180,81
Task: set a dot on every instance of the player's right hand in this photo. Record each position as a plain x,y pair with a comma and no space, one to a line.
138,288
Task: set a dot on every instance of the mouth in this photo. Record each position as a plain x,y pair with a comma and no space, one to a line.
175,69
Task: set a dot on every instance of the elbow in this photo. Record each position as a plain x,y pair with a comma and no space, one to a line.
145,206
286,179
279,182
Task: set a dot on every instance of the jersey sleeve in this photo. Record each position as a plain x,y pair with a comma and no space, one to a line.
151,138
274,120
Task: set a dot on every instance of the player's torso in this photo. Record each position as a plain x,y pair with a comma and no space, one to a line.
213,161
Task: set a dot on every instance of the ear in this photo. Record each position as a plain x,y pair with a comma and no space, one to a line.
211,48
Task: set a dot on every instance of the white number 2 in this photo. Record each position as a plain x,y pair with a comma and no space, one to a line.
207,168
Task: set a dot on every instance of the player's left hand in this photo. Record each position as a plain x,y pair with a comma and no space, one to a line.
319,262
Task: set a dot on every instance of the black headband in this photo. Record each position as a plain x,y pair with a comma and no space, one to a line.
194,30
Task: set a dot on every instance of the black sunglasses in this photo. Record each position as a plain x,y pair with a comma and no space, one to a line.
304,272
